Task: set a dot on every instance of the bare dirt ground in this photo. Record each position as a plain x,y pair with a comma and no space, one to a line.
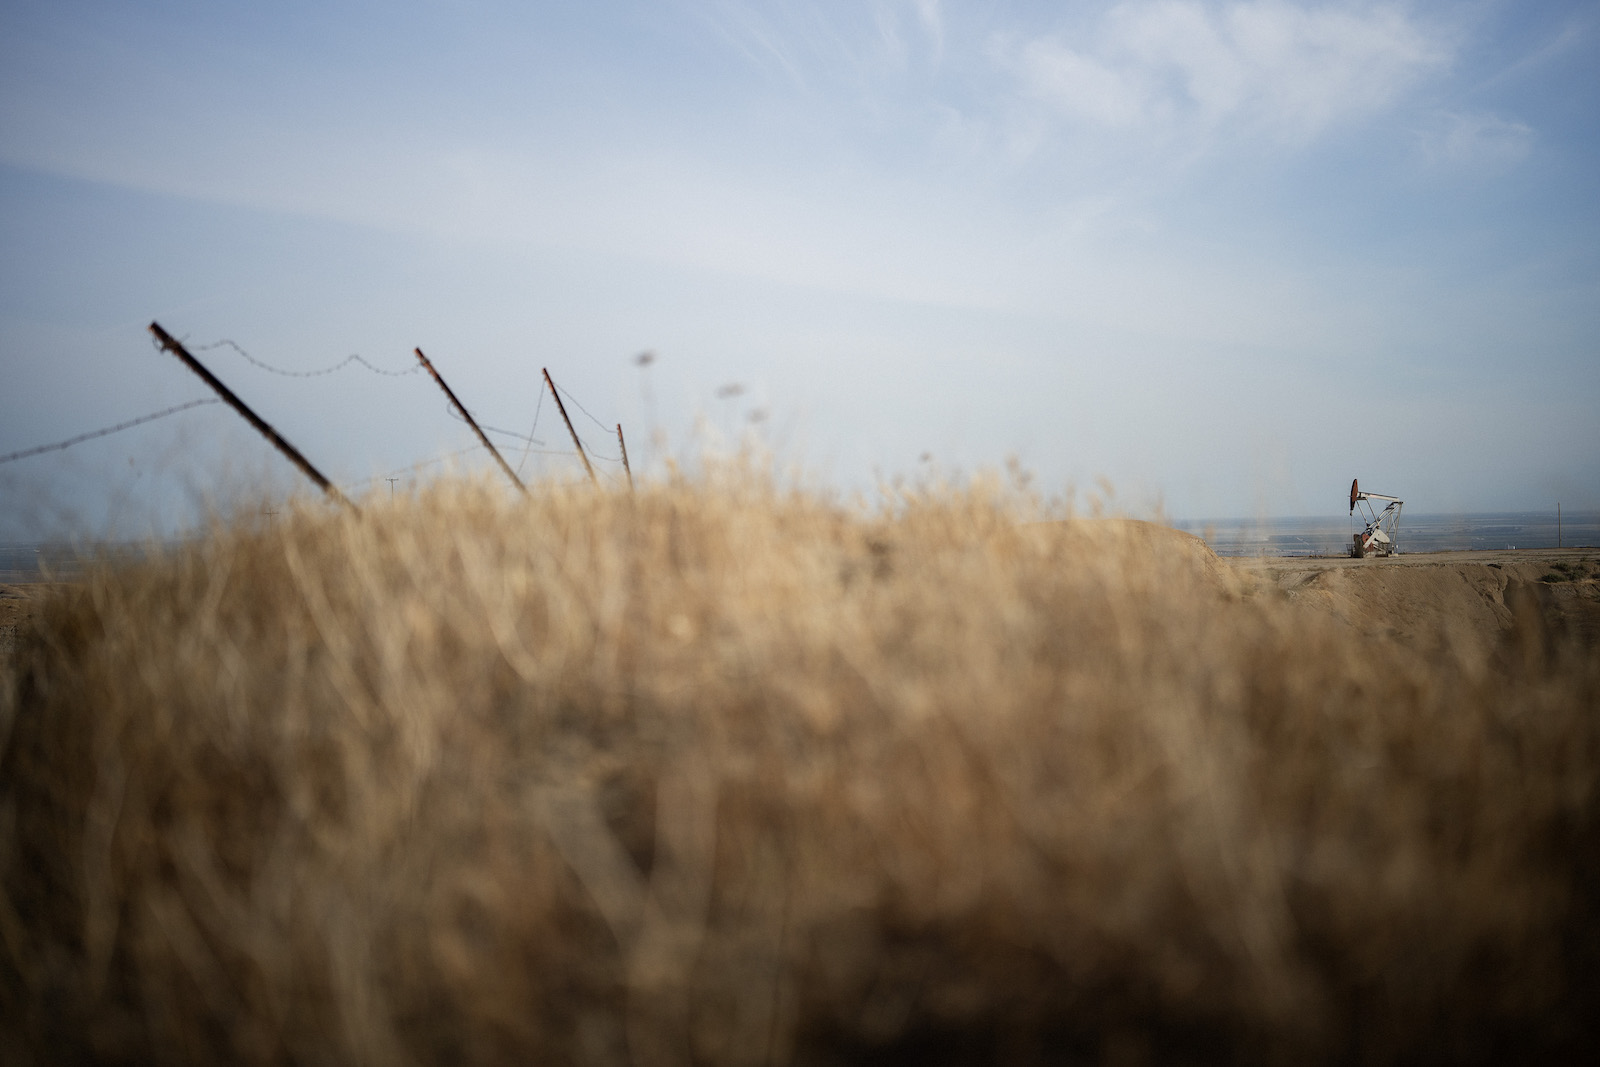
1421,597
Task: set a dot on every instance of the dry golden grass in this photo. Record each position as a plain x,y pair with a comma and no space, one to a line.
725,774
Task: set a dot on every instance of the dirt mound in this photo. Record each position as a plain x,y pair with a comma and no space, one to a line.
1443,603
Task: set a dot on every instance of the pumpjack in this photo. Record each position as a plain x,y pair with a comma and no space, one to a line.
1383,527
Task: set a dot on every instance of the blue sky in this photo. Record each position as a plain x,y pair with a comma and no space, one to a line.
1225,256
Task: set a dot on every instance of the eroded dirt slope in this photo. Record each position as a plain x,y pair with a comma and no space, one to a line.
1470,598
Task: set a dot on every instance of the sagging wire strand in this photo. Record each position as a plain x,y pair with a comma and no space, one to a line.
532,440
415,467
107,431
528,439
608,429
537,408
399,472
587,447
568,394
513,434
270,369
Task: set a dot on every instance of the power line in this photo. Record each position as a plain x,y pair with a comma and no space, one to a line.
345,362
119,427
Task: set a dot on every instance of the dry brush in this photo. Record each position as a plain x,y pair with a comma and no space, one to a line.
721,773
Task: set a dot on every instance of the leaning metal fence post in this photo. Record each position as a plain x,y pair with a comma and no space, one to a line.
625,467
465,414
563,409
170,344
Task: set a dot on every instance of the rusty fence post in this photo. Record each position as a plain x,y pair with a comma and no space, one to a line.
563,409
465,414
625,467
170,344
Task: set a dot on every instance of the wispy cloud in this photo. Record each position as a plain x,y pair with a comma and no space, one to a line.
760,38
1475,142
1120,81
1264,67
1573,35
819,41
930,18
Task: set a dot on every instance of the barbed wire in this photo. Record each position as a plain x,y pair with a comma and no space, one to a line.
357,358
454,414
345,362
595,454
528,439
118,428
597,422
587,447
589,450
413,468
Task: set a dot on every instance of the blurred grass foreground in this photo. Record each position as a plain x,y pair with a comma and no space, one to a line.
723,773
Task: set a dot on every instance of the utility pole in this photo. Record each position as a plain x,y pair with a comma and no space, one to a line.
168,343
465,414
563,409
391,482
